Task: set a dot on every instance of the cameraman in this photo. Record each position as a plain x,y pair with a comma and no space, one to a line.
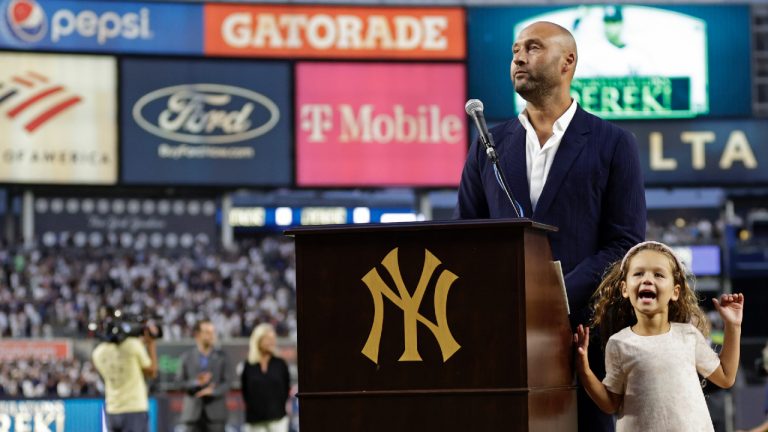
123,364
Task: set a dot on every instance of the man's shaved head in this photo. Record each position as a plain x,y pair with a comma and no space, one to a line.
555,33
544,62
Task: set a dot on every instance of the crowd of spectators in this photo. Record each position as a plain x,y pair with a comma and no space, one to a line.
749,226
35,378
753,226
58,291
47,292
685,231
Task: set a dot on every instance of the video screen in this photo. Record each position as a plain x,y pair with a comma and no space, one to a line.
634,62
623,71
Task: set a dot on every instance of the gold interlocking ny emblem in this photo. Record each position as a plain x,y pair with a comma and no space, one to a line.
410,307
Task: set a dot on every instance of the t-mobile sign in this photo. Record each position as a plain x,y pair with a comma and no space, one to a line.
380,124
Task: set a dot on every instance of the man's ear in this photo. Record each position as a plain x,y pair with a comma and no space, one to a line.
569,62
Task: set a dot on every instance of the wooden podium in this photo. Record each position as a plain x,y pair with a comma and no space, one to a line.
447,326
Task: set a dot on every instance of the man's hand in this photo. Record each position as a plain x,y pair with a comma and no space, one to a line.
149,330
206,391
203,378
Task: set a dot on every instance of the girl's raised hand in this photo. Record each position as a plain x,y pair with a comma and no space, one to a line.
730,307
581,339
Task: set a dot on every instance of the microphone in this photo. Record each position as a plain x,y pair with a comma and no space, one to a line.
474,108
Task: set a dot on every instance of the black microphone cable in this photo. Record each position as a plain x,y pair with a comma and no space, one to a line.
474,108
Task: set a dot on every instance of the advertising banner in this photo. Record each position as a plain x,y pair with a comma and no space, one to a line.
35,348
59,415
380,124
125,222
58,119
634,62
334,32
205,122
702,152
692,153
99,26
278,218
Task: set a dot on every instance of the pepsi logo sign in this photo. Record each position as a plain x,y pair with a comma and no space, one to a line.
26,20
205,113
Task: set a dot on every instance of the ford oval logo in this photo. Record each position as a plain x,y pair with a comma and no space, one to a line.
206,113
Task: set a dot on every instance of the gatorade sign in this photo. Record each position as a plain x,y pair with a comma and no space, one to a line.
334,32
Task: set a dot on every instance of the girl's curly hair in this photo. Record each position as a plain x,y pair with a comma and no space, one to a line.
613,312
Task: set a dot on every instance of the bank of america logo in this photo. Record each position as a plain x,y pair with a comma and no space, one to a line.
31,100
26,20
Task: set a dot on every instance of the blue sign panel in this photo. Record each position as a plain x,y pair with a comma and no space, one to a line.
634,62
205,122
702,152
692,153
59,415
99,26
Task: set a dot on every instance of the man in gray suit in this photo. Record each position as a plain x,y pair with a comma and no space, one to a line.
205,375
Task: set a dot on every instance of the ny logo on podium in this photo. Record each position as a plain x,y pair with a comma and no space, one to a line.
409,304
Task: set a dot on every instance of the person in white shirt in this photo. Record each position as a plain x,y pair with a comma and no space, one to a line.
567,168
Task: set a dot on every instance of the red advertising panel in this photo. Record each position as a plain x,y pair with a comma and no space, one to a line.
380,124
35,348
334,32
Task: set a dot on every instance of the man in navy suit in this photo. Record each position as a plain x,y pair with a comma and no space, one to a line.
566,168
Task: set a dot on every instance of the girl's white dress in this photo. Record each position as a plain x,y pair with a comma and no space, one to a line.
657,376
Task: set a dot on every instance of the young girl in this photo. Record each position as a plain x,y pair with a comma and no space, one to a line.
649,310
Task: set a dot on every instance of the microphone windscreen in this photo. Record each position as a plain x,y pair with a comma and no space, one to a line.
473,105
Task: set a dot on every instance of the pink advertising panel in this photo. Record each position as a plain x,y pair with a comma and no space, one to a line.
376,124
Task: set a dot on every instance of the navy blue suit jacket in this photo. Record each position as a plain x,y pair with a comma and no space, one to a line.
593,194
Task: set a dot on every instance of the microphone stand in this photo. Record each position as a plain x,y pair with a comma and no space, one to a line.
490,151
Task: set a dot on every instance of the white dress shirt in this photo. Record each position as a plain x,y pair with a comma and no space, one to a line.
538,158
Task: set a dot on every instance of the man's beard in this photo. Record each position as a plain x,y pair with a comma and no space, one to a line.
534,89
